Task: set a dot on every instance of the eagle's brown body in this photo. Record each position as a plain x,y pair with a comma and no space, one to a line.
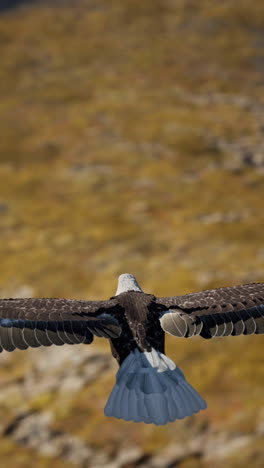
139,318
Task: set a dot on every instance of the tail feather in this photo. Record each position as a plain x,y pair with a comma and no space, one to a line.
150,388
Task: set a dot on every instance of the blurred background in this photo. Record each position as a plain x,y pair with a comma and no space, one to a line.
131,140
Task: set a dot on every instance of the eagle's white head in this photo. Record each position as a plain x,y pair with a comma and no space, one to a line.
127,282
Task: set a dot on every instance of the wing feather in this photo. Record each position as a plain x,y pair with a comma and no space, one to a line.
43,322
218,312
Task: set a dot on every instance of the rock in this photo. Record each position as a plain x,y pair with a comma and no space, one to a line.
68,370
33,430
171,455
222,445
127,457
216,217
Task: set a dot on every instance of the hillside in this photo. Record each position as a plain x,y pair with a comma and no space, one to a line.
131,140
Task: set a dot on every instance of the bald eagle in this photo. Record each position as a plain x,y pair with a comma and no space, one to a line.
149,386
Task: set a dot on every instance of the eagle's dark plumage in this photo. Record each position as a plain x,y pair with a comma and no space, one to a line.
149,386
218,312
43,322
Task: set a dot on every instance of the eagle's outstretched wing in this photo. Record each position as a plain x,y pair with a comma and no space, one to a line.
36,322
218,312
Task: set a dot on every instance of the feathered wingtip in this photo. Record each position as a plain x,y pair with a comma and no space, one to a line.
150,388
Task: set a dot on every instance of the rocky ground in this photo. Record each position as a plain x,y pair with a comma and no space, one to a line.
59,376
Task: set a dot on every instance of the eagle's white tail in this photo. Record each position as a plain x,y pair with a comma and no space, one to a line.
151,388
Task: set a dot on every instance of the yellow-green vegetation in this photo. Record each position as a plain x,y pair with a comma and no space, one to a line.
124,130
